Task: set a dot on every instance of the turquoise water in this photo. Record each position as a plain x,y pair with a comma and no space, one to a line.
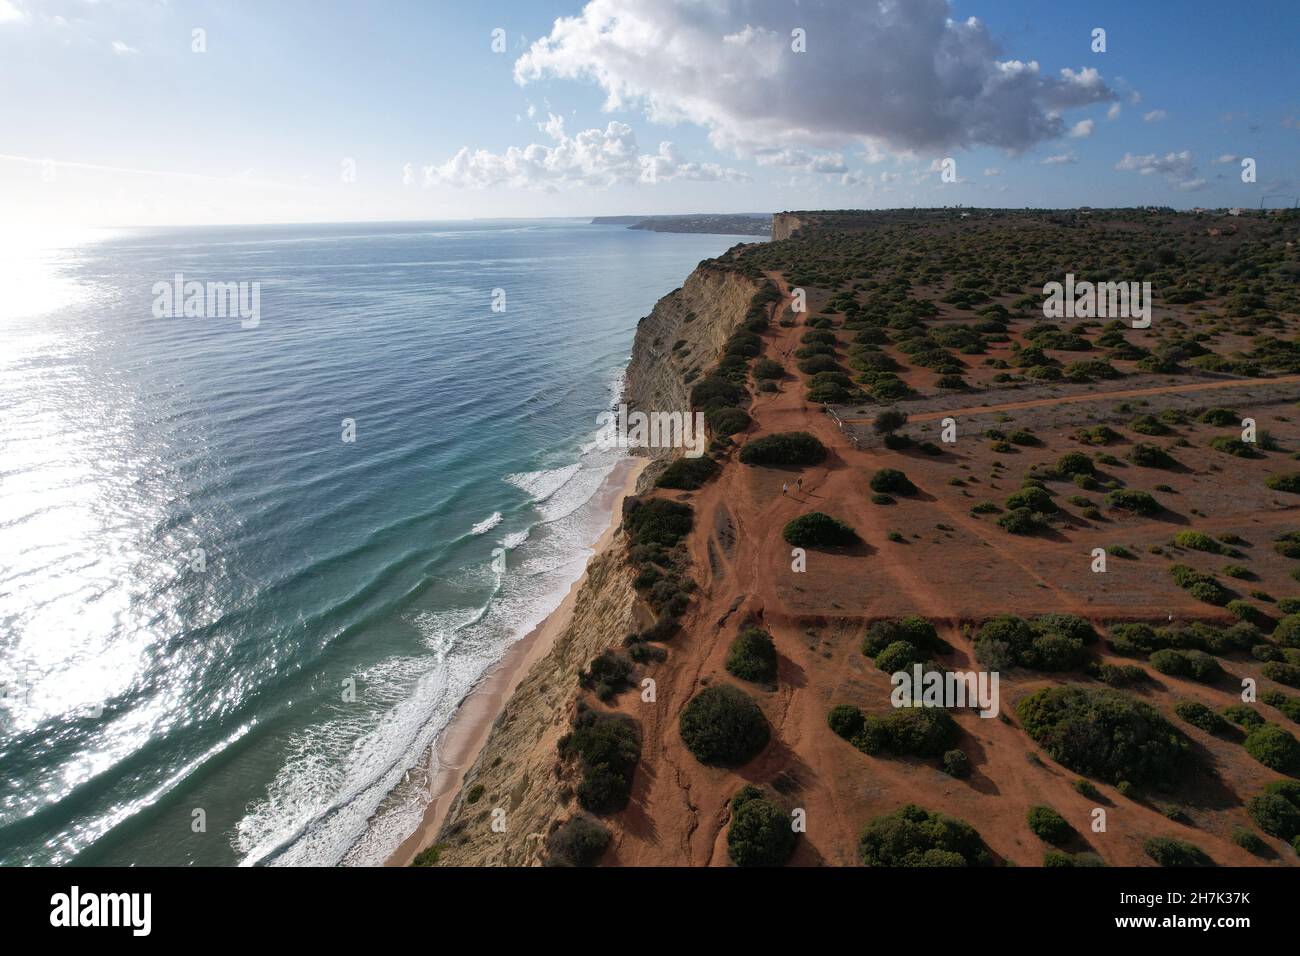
162,709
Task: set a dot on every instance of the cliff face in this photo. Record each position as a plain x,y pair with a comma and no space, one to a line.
517,767
784,225
683,335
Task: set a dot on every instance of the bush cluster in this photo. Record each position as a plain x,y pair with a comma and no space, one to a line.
913,836
1052,642
784,448
607,747
1104,733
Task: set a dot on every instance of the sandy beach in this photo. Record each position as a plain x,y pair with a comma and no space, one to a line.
459,745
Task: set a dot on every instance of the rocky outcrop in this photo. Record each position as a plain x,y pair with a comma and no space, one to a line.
785,224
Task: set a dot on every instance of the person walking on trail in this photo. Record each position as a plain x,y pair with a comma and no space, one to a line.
799,483
784,488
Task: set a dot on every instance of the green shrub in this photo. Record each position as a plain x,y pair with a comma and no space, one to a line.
760,833
1148,425
914,629
1138,502
1053,642
717,391
1274,747
1020,521
1282,672
1198,541
1276,811
687,474
892,481
817,530
956,764
1075,463
1035,499
783,448
722,725
1243,715
767,369
1248,841
1196,665
752,656
607,674
913,836
1104,733
909,731
1149,456
1198,715
1288,482
580,841
607,747
1287,631
1220,417
656,521
1049,825
1169,852
727,421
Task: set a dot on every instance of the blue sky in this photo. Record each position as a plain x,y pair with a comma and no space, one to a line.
110,118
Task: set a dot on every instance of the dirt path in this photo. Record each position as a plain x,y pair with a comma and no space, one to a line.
1086,397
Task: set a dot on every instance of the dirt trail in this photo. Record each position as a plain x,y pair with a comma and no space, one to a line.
1094,396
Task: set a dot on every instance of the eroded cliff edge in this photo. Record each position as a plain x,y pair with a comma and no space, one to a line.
518,769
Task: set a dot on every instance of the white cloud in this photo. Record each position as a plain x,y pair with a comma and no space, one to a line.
790,158
10,12
1225,158
903,77
121,49
992,171
1155,116
1113,112
1178,168
1061,159
593,158
1082,129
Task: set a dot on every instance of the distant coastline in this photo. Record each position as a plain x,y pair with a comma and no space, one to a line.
738,224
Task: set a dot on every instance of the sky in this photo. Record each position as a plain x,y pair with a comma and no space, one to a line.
149,112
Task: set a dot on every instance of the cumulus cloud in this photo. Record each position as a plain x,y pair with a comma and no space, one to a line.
1225,158
901,77
121,49
1179,168
992,171
1061,159
593,158
1154,116
1113,112
1082,129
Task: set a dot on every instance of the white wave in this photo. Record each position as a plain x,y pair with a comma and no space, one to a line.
514,540
540,485
487,524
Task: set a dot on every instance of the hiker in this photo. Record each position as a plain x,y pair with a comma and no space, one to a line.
784,488
799,483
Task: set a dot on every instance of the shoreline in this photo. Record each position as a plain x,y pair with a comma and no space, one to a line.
458,747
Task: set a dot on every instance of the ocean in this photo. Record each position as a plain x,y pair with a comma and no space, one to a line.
228,633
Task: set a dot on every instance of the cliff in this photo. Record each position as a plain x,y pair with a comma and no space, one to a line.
785,224
682,336
517,767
